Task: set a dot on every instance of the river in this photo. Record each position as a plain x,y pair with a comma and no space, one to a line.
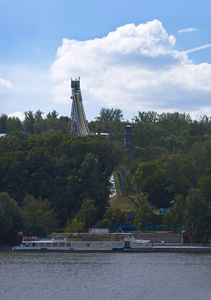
105,276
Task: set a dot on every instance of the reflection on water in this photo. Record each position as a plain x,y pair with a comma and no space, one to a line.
101,276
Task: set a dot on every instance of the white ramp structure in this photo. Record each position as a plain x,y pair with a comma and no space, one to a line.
79,125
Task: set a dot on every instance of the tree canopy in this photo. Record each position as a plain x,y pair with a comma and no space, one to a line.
59,168
172,158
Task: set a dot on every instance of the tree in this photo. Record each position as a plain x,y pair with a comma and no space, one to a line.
152,178
39,123
87,213
107,115
29,122
10,218
75,225
175,217
205,184
114,216
198,216
146,117
144,213
84,218
3,123
39,217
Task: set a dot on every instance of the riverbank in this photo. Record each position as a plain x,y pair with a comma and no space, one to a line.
182,249
170,248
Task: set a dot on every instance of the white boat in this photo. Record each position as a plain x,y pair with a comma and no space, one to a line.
86,243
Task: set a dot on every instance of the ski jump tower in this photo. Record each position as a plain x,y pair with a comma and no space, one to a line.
79,125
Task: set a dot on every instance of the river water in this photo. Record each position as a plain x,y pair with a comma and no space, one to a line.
105,276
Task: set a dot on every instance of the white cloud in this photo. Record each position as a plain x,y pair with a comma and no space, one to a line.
17,114
5,84
134,68
187,30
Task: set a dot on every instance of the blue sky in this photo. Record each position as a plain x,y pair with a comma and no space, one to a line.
133,55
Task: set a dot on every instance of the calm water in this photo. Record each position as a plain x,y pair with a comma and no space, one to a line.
105,276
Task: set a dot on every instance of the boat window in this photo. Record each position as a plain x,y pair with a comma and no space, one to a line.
81,244
55,244
87,244
68,244
49,245
101,244
114,245
61,244
75,244
94,244
41,244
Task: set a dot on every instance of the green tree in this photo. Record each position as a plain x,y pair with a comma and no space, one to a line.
198,212
87,213
39,217
39,123
175,217
29,122
107,115
3,123
144,213
153,180
114,216
10,218
75,225
205,184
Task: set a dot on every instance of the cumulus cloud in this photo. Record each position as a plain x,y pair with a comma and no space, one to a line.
134,68
187,30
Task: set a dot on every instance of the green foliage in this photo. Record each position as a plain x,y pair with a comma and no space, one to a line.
174,174
198,216
35,123
87,213
39,217
175,217
144,214
172,157
153,180
10,124
62,169
75,225
10,218
109,121
107,115
85,217
114,216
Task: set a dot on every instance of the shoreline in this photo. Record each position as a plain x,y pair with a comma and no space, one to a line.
158,249
182,249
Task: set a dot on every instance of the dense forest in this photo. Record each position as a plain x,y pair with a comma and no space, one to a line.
52,180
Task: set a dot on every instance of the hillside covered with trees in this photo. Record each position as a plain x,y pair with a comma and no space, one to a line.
52,176
67,178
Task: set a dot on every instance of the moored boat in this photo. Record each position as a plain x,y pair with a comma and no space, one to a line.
86,243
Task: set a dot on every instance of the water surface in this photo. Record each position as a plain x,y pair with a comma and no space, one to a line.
99,276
